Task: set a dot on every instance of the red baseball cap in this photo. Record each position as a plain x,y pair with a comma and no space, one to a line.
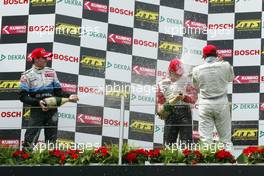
176,66
39,52
209,50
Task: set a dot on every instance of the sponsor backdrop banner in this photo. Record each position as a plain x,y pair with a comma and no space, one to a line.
105,49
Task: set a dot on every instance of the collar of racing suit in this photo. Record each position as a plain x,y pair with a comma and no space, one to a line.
210,59
38,69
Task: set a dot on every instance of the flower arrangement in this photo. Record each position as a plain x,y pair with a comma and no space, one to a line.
109,155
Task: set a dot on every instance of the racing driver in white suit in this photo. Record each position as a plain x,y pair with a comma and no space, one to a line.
211,79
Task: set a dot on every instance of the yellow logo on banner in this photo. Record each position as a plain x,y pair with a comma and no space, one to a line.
42,2
65,142
117,94
93,62
147,16
142,126
68,29
170,47
26,114
247,134
8,84
213,2
248,24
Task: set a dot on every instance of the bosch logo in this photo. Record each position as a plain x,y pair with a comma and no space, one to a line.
66,58
90,90
220,26
10,114
145,43
112,122
40,28
121,11
202,1
247,52
10,2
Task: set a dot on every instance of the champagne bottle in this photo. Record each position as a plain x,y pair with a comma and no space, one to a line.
54,102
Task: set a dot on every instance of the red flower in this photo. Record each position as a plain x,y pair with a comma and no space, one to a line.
154,153
186,152
17,153
251,149
56,152
63,157
69,152
25,155
74,156
198,153
222,154
131,157
103,151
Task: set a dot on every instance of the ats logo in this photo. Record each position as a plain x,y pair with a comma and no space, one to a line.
248,25
65,142
142,126
9,85
43,2
117,94
148,16
68,29
221,2
245,134
93,62
170,47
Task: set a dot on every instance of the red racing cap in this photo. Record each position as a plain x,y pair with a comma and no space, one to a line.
38,53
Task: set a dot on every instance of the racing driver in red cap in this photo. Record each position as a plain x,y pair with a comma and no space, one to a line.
175,93
211,79
38,83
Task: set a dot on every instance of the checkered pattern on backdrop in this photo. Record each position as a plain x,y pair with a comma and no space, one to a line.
128,43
